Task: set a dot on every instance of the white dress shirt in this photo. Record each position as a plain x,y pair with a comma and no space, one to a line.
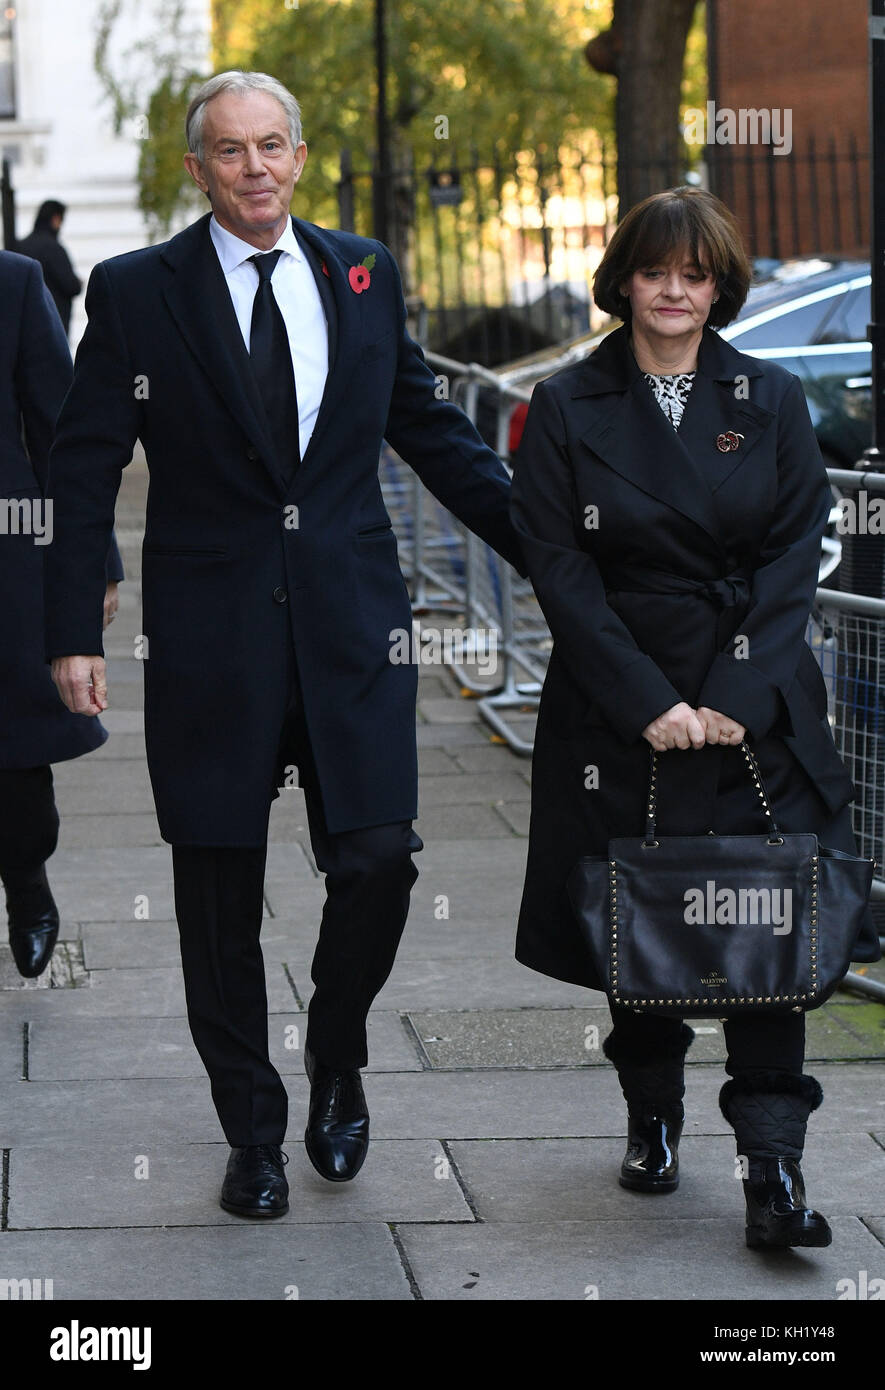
296,292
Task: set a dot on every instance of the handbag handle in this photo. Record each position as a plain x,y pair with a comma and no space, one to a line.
651,841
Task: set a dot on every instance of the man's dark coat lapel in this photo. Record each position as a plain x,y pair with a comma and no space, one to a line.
344,314
315,254
200,303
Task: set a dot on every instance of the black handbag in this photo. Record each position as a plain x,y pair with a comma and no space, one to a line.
720,924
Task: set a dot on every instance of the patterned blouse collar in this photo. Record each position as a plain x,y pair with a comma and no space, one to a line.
671,393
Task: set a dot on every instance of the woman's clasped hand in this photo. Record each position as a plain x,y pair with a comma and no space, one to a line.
684,727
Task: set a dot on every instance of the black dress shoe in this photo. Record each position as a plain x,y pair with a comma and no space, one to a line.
778,1215
255,1184
33,922
337,1134
651,1163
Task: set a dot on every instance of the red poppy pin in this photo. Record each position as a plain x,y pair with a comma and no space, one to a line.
728,441
359,276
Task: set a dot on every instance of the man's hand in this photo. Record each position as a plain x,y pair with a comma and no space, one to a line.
81,682
721,729
111,603
678,727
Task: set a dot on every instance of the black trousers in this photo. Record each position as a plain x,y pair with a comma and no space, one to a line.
28,821
219,894
754,1042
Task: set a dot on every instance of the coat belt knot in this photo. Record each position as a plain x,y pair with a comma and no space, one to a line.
729,591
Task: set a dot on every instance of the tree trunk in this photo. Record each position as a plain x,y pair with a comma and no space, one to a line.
645,50
403,212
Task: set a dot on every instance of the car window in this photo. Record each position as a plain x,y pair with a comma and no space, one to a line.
849,319
792,328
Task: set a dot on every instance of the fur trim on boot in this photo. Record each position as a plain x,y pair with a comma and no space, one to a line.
640,1052
768,1083
768,1111
651,1076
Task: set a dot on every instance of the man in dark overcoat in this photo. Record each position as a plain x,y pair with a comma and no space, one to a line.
262,360
35,728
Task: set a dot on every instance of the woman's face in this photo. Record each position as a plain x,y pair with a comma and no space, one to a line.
670,301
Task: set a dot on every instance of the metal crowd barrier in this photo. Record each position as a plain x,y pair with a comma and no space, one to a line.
451,571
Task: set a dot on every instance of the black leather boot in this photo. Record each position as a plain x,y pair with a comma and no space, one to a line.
777,1212
337,1134
653,1086
33,921
769,1113
651,1163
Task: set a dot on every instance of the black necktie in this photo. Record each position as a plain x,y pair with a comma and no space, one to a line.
272,364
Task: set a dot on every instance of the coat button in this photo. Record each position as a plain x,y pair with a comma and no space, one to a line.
251,452
280,595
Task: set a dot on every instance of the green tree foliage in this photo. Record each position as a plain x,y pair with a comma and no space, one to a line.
504,73
694,72
163,187
503,70
148,85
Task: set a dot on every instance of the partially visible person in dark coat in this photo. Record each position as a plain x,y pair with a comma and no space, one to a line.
44,246
655,540
35,727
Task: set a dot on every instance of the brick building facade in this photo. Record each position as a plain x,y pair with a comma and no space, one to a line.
809,58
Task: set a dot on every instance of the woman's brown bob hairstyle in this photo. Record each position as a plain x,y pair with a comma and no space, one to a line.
676,223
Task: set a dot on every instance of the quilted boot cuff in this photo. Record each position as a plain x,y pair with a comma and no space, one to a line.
652,1077
768,1111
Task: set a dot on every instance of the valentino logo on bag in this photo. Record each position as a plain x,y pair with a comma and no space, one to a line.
714,978
728,441
711,906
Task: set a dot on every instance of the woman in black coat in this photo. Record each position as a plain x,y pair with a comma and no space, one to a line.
671,499
35,728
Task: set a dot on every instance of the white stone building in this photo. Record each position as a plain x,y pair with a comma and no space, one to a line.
56,124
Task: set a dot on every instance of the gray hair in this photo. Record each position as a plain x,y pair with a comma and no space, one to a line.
237,81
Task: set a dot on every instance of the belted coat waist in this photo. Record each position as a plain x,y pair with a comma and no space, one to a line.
669,571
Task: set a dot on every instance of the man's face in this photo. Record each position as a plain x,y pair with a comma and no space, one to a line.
249,167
